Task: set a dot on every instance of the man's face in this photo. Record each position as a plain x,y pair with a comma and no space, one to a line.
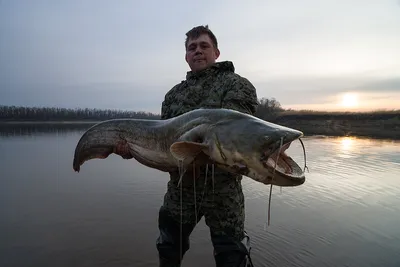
200,53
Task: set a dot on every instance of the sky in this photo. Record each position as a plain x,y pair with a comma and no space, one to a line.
310,54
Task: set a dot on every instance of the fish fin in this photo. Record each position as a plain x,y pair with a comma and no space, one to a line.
122,149
186,150
101,151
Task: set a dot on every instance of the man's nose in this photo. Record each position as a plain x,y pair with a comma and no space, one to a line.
198,50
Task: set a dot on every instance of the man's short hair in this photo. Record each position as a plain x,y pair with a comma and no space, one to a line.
195,32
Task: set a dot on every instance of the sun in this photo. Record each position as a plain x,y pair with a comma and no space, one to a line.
350,100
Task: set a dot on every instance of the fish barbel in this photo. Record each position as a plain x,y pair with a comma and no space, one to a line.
236,142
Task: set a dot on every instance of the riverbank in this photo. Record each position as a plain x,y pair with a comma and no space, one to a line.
378,124
385,124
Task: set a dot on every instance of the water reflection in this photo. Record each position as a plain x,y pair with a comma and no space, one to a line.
27,129
346,143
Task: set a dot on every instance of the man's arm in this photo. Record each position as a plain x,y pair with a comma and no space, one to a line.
166,112
165,108
240,95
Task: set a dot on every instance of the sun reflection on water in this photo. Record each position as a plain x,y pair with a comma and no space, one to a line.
346,144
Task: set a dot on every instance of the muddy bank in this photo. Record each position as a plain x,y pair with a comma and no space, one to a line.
363,126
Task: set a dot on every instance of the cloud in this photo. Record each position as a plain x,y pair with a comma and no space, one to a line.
385,85
314,90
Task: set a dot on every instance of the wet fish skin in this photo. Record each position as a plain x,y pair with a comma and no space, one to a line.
237,142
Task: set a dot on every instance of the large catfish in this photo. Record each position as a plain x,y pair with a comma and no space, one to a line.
236,142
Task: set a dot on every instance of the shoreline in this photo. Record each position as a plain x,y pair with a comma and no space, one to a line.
386,128
382,126
47,122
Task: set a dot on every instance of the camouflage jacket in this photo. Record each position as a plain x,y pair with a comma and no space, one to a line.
215,87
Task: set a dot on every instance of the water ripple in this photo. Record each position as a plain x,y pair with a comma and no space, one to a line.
345,214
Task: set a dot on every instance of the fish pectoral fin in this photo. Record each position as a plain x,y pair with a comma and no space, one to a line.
187,151
122,149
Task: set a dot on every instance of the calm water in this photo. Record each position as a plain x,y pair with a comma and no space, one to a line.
346,214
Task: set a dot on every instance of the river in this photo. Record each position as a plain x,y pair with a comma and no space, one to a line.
347,213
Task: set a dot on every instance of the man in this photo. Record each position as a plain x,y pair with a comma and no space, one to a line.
209,84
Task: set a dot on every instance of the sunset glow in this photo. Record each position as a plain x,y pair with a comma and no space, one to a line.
350,100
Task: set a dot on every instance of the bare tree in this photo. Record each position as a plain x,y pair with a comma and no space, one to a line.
268,108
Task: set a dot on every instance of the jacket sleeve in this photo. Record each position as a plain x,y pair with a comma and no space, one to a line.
240,95
169,100
165,108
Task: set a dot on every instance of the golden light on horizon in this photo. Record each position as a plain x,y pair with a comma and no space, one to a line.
350,100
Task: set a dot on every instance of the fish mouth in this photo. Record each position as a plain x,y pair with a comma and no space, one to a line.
284,170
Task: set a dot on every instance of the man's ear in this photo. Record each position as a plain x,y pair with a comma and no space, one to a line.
217,53
186,58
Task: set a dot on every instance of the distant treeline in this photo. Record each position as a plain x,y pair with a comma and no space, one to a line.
380,124
271,110
268,109
14,113
324,115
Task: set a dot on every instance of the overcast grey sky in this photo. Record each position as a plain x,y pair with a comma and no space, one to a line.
128,54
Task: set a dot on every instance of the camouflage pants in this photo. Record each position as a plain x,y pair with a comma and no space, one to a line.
222,205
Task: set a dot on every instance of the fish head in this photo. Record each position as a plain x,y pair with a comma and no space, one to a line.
248,146
257,149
